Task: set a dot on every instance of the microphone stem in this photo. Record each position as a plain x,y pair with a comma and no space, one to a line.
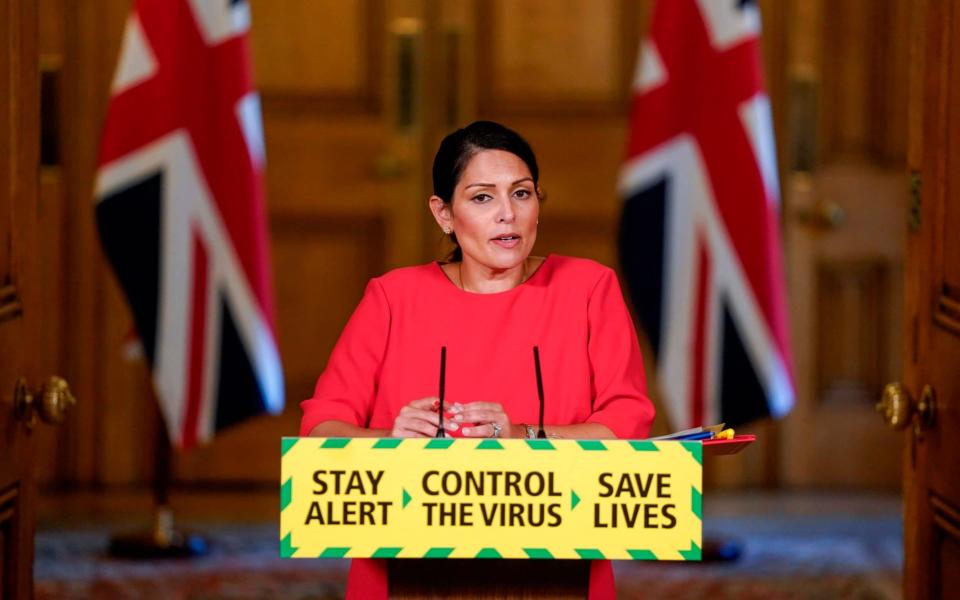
541,434
441,432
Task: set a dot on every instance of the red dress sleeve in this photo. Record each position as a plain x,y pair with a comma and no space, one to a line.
346,389
617,378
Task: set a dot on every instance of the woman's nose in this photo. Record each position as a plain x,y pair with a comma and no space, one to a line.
505,214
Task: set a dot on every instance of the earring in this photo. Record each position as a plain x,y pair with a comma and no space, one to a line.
447,230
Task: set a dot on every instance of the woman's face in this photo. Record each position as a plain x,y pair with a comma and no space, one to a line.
494,210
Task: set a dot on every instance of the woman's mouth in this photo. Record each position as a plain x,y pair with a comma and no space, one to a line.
508,240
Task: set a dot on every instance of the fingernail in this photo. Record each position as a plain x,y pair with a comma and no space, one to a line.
457,417
452,426
456,408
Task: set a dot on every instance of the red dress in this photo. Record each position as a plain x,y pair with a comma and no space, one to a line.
389,354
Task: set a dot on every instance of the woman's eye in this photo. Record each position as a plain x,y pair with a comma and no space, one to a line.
482,197
521,193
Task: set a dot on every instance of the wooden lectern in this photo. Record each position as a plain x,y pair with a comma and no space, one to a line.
468,579
492,518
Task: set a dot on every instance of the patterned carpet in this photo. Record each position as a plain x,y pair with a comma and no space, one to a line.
824,549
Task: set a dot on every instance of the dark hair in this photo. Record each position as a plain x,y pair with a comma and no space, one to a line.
459,147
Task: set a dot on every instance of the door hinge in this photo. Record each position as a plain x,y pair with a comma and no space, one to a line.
913,217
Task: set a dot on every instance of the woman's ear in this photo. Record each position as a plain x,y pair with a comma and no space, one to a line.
441,213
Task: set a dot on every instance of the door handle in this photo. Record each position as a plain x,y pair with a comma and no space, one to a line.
898,408
404,91
52,403
823,215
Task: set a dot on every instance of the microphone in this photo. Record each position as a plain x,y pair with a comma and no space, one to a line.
441,432
541,434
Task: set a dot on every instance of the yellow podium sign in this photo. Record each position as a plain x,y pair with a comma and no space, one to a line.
489,498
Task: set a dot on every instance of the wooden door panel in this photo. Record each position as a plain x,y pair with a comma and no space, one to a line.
940,219
931,485
19,318
845,201
946,554
317,49
545,55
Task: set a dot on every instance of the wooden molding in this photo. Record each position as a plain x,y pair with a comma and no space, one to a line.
947,310
287,102
491,102
364,98
8,507
852,348
11,306
946,516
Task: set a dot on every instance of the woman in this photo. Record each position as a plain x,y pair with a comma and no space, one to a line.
489,305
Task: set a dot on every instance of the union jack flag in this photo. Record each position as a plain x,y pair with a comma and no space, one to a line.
699,239
180,209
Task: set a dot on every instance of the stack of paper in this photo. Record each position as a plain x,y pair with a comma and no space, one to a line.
698,433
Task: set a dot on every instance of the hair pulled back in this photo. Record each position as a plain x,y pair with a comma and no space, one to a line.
459,147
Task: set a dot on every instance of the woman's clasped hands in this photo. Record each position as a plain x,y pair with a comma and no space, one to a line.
421,418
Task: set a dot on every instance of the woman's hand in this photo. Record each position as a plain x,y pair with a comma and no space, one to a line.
417,419
480,417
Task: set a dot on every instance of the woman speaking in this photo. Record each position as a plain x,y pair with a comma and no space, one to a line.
488,305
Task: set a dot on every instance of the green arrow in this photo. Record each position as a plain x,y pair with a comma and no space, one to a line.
287,548
574,499
490,445
406,498
286,493
693,553
287,443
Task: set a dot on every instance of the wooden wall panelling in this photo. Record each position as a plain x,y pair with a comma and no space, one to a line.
852,352
891,67
325,163
313,54
585,235
338,217
847,75
863,79
324,141
92,43
846,302
546,56
50,221
580,139
775,15
322,263
127,410
947,249
946,544
579,162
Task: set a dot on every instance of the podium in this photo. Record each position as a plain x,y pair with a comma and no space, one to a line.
498,578
455,515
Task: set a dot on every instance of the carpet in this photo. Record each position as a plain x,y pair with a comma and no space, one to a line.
794,557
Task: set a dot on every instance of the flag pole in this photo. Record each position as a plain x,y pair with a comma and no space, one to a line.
163,540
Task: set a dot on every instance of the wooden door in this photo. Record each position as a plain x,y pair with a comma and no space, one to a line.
19,162
932,349
845,196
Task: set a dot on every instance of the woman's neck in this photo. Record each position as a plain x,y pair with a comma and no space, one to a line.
479,279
